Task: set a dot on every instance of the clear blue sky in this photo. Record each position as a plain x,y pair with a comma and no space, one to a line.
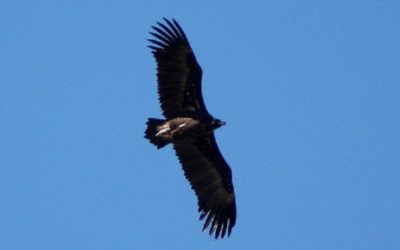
310,91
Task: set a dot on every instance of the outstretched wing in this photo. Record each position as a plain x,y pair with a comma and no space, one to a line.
211,179
178,73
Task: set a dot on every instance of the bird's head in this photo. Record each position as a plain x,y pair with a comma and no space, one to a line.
216,123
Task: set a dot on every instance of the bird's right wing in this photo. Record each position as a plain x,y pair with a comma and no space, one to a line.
178,73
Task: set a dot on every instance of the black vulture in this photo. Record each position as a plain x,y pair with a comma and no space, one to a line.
190,127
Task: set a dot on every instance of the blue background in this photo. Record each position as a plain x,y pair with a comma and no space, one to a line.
309,90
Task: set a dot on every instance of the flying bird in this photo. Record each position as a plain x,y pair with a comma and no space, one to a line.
189,127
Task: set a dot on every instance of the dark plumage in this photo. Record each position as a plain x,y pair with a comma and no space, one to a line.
189,127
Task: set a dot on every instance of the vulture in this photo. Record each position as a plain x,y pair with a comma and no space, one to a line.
189,127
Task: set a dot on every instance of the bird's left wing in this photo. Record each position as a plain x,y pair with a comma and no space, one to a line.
211,179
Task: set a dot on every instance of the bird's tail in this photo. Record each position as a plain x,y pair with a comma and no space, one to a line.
151,131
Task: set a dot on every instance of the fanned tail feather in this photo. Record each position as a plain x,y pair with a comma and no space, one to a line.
151,131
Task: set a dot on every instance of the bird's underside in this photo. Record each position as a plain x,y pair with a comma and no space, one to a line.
184,128
189,127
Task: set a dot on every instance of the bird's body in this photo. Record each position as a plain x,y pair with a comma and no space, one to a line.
190,128
179,130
